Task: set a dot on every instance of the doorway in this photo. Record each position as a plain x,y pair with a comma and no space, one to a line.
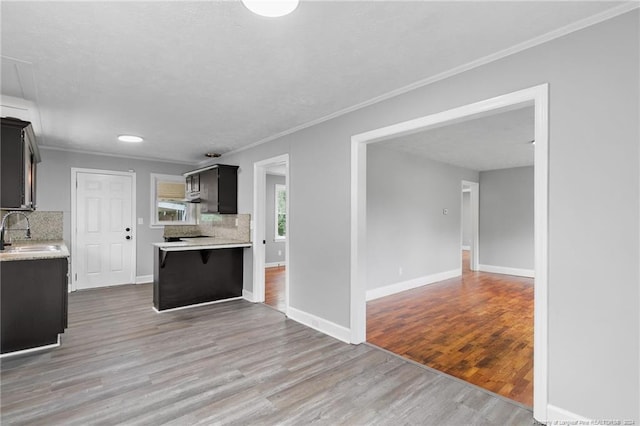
271,232
536,96
470,226
424,304
103,237
275,236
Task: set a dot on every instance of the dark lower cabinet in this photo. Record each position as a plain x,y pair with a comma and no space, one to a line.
188,277
33,297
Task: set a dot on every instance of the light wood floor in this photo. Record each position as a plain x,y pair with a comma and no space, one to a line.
274,287
231,363
478,328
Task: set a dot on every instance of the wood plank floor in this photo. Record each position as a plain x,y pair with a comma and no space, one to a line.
274,295
231,363
478,328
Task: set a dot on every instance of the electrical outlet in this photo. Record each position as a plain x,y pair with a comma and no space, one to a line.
400,271
279,252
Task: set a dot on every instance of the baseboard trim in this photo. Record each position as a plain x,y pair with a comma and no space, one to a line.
388,290
555,414
322,325
466,248
529,273
143,279
274,264
247,295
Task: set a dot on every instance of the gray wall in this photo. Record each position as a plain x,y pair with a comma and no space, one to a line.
273,247
54,192
406,227
506,218
466,219
594,301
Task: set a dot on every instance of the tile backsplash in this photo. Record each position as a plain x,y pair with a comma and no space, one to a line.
227,226
44,225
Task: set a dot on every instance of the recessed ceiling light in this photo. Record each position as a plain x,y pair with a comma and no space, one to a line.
271,9
129,138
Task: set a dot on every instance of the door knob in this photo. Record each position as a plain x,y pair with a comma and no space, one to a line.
128,237
127,229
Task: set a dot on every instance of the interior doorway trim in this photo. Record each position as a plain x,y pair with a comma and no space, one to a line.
539,96
74,214
474,207
260,227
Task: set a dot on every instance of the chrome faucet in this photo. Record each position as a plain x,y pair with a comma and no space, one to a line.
2,227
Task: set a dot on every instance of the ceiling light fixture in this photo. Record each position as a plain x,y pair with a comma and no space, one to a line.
271,9
212,155
129,138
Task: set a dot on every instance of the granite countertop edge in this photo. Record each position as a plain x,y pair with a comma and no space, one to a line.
202,243
9,256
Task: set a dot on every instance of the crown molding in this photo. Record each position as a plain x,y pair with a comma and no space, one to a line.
106,154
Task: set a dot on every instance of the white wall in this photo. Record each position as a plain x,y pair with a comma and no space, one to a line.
594,299
54,192
506,218
273,247
406,227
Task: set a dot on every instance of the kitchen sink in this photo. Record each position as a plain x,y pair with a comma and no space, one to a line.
31,248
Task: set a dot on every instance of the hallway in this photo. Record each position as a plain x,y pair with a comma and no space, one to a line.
274,290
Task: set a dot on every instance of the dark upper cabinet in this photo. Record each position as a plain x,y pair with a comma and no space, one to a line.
219,190
215,188
18,156
193,184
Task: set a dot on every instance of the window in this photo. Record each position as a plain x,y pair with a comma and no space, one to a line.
168,205
281,212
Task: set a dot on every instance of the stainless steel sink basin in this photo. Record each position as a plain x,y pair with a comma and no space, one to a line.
32,248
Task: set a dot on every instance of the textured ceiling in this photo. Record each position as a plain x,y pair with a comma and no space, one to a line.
498,141
196,77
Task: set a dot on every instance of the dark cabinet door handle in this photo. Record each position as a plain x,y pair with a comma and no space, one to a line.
127,229
128,237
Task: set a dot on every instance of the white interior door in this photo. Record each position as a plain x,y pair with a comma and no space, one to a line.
104,243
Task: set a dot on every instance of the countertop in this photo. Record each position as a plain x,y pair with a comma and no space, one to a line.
202,244
6,255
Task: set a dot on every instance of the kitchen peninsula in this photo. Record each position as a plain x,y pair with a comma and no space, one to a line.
200,264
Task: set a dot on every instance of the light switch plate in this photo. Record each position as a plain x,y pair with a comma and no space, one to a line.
140,221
